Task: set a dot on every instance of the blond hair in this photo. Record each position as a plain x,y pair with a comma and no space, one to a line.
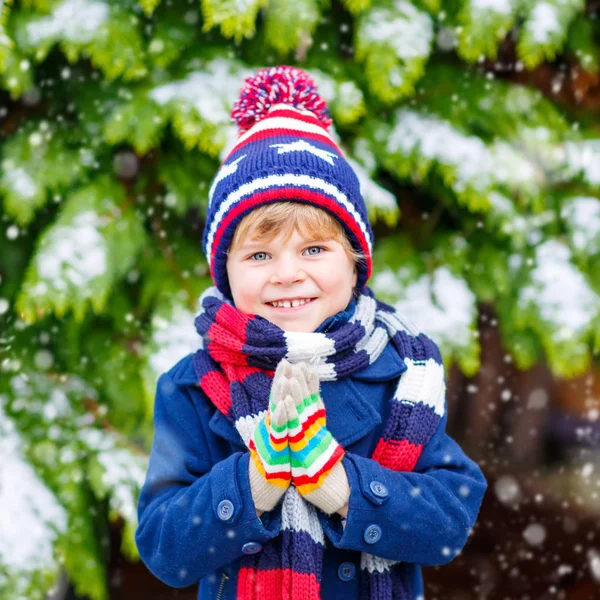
269,220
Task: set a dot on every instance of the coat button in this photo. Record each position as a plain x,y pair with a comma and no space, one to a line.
372,534
379,489
225,510
251,548
346,571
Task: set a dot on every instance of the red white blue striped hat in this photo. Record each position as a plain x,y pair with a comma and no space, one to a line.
284,152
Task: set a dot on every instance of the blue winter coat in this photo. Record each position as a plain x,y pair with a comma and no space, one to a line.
196,514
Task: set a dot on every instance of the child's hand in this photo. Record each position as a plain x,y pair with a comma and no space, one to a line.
270,469
316,457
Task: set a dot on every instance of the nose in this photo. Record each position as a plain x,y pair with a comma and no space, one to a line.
287,270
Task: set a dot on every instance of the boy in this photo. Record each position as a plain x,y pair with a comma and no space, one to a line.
301,452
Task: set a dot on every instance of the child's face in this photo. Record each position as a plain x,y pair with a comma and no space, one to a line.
261,272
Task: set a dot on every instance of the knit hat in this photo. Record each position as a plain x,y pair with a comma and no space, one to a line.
283,152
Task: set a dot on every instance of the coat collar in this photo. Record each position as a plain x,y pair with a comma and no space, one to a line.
352,416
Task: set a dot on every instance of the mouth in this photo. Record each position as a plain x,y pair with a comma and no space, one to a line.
295,305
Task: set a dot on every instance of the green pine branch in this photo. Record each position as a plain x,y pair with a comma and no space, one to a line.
80,257
394,44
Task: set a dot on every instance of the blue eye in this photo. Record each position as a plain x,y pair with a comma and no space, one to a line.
317,247
321,250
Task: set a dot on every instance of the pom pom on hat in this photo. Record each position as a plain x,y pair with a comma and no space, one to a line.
273,85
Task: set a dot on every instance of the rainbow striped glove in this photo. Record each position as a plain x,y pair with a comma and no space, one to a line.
269,466
317,470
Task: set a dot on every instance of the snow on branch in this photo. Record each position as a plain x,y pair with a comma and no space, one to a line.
394,44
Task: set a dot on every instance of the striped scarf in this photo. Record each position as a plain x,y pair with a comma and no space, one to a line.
235,370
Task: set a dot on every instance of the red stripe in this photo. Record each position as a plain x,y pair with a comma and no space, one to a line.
278,474
303,195
227,357
220,336
239,373
300,585
397,455
217,389
276,584
335,457
280,131
306,425
231,318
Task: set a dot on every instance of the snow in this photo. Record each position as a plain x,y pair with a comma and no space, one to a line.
437,140
75,254
346,92
350,93
560,292
123,471
124,474
498,6
231,135
72,20
502,205
593,557
526,226
512,167
449,319
325,84
476,165
582,215
584,157
19,180
362,151
212,91
407,30
374,194
30,515
172,339
543,22
534,534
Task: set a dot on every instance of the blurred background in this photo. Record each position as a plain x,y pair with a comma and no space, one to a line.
474,127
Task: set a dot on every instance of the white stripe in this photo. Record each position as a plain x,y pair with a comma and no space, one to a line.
310,411
376,344
294,125
365,312
271,469
299,515
302,345
325,371
279,181
318,464
224,171
371,563
284,106
246,425
423,382
396,322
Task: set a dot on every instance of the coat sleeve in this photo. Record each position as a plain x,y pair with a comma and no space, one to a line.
423,516
194,516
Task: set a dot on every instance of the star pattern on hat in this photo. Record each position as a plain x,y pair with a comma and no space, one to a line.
303,146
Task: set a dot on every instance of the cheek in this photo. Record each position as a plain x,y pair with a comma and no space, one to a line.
338,277
242,286
247,293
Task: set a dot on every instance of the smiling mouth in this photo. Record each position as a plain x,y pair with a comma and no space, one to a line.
288,306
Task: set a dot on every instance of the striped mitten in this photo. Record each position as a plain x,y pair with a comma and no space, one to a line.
269,465
317,470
